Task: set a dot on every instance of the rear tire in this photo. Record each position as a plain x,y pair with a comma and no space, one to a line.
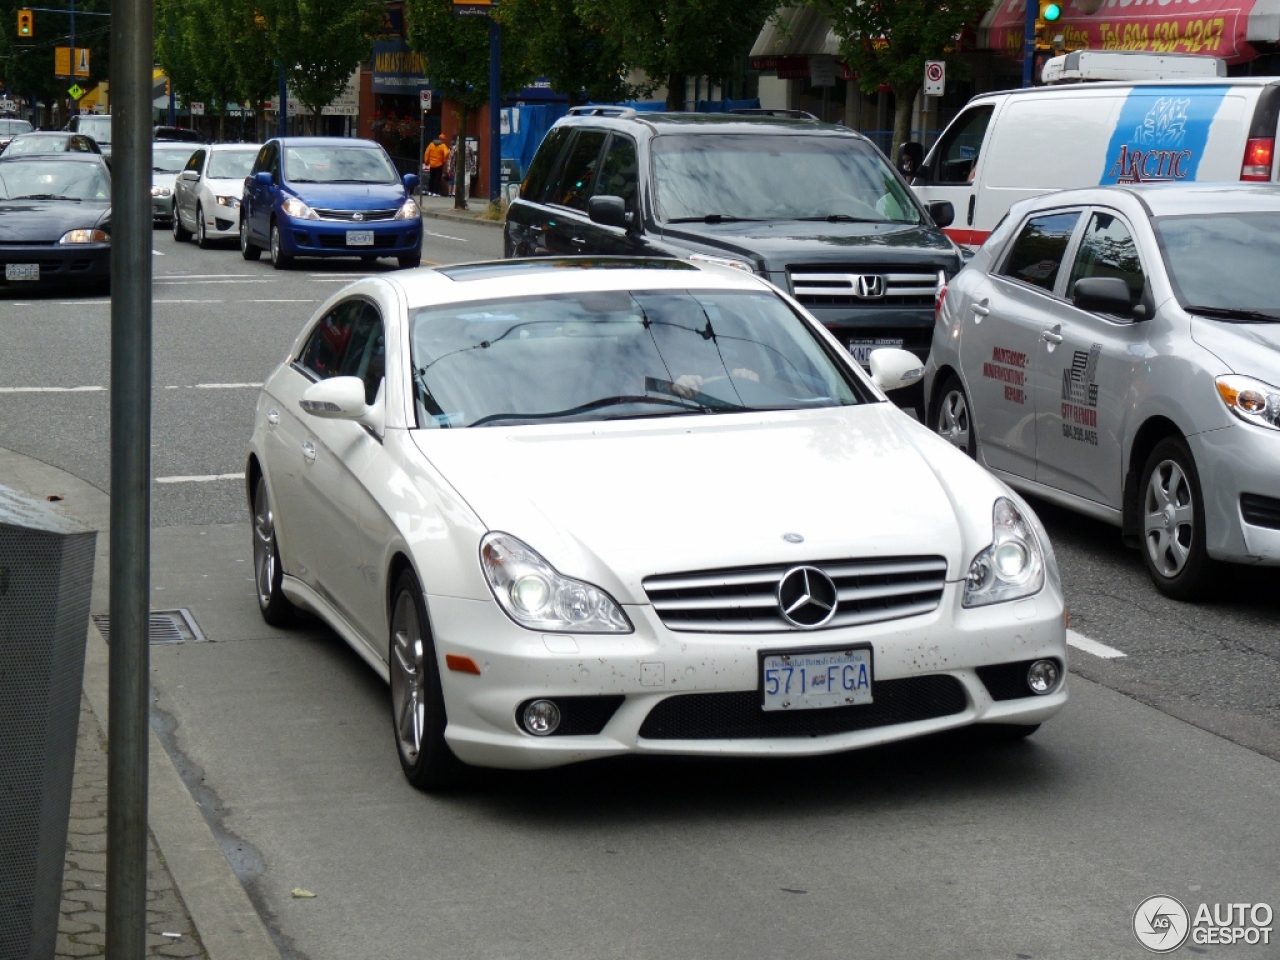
1172,522
247,249
180,233
953,417
268,574
279,259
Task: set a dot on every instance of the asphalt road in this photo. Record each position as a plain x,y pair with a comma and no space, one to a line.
943,848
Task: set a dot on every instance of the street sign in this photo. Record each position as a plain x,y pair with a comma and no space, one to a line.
935,78
63,63
197,109
82,61
76,91
424,100
472,8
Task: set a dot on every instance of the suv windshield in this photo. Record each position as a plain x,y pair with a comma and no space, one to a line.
1224,264
776,177
337,165
13,127
97,127
231,164
42,179
617,355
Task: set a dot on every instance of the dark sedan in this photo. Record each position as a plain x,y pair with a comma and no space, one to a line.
51,141
55,225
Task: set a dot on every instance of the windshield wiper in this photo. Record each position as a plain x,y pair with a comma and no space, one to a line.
44,196
714,218
693,405
1233,315
843,218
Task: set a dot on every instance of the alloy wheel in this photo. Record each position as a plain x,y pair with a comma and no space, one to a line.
244,234
201,240
264,545
408,683
953,420
275,244
1168,518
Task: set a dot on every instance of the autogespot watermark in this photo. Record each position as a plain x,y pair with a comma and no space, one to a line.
1162,924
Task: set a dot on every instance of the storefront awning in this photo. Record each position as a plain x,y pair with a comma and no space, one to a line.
796,32
1215,28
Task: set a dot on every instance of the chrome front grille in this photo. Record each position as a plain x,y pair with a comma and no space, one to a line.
745,599
355,216
866,286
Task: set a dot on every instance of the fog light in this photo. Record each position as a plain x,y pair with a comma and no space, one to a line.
1042,677
542,717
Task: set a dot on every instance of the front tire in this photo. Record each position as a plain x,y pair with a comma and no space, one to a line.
247,249
953,417
180,233
268,574
279,259
1173,531
202,241
418,718
410,263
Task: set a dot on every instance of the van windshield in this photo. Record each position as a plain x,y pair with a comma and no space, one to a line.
97,127
1223,265
725,177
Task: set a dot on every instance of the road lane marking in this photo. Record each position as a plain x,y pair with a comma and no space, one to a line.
173,277
188,301
52,389
216,386
445,236
285,300
1093,647
202,478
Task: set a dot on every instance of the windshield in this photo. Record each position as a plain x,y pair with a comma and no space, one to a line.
617,355
12,127
169,160
40,179
337,165
776,177
231,164
49,143
1224,261
97,127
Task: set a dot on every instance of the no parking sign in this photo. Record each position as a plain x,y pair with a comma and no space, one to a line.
935,77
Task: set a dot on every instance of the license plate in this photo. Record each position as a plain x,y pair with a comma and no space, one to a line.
359,238
22,271
861,349
815,679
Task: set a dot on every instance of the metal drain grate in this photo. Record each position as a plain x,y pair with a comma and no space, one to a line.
167,626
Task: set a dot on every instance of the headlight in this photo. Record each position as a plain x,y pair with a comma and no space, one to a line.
1012,567
298,210
160,191
1251,400
408,210
535,596
85,236
232,202
723,262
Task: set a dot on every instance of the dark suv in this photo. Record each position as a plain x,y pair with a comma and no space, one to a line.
814,208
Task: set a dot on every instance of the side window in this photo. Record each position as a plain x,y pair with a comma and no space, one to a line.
1108,250
543,165
195,163
956,159
574,184
275,162
1036,256
348,342
618,173
263,159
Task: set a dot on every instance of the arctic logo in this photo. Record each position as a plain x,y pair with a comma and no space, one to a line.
1165,124
1160,134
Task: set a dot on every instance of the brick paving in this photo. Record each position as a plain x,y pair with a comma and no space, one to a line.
82,924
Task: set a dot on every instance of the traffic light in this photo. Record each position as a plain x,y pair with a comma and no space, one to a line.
1046,24
26,20
1050,12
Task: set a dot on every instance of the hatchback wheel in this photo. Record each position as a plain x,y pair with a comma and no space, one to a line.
180,233
417,700
410,263
279,259
201,240
953,420
247,249
1173,534
276,608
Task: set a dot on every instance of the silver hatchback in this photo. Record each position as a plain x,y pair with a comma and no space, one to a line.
1117,351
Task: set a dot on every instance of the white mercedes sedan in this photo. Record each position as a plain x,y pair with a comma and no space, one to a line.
576,508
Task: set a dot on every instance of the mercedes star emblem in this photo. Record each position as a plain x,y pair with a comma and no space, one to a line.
807,597
793,538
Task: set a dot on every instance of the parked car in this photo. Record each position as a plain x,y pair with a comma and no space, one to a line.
55,220
97,126
575,508
167,161
50,141
12,128
206,195
178,135
1117,351
329,197
813,208
1008,146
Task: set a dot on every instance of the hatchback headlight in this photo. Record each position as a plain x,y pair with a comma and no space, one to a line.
298,210
160,191
1251,400
536,596
232,202
1012,567
85,236
408,210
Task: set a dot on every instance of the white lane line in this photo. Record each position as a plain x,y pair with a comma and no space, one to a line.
157,253
341,276
445,236
78,303
216,386
188,301
205,478
52,389
208,283
1093,647
283,300
179,277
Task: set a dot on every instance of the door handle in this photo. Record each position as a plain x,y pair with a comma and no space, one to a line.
1051,336
973,202
309,451
980,309
273,417
578,242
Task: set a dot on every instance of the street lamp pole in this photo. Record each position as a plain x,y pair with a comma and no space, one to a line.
1029,42
495,109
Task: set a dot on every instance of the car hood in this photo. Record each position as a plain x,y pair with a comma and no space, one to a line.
1251,349
225,186
349,196
616,502
164,180
784,242
45,221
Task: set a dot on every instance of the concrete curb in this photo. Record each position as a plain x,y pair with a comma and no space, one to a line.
461,218
225,919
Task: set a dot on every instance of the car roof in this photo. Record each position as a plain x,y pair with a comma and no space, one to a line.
224,147
49,157
1171,199
323,142
704,123
1061,89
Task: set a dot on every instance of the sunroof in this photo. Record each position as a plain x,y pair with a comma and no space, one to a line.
511,268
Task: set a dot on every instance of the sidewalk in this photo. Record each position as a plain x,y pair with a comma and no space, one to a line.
441,208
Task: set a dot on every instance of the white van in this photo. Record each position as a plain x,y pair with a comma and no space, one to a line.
1007,146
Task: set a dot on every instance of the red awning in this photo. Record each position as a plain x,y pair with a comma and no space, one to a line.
1215,28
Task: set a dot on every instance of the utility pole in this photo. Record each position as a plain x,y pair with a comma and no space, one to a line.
1029,42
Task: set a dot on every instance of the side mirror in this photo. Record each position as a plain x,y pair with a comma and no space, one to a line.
1103,295
263,177
342,398
190,175
411,182
893,369
608,211
942,212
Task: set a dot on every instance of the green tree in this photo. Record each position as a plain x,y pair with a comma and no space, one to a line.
579,58
211,43
888,42
28,63
672,40
320,43
177,49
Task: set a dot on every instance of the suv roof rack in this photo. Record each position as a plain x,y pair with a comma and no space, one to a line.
788,114
624,112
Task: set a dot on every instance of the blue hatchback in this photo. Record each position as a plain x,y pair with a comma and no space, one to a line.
328,197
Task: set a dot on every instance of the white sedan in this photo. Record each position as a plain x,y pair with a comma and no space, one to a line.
578,508
206,194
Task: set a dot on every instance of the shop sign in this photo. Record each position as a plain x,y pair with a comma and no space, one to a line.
397,69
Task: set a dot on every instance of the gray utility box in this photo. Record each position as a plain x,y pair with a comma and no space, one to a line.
46,576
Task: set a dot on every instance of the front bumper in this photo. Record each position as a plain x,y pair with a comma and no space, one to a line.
328,238
221,222
654,664
162,209
59,263
1235,460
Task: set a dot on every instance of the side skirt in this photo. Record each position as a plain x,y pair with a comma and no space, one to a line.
1090,508
303,596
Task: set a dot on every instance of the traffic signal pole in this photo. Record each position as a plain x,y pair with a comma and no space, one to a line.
1029,43
74,108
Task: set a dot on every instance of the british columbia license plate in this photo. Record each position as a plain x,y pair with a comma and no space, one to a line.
22,271
861,349
815,679
359,238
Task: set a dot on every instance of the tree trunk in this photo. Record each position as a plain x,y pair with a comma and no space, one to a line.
222,122
904,99
460,177
675,91
315,122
